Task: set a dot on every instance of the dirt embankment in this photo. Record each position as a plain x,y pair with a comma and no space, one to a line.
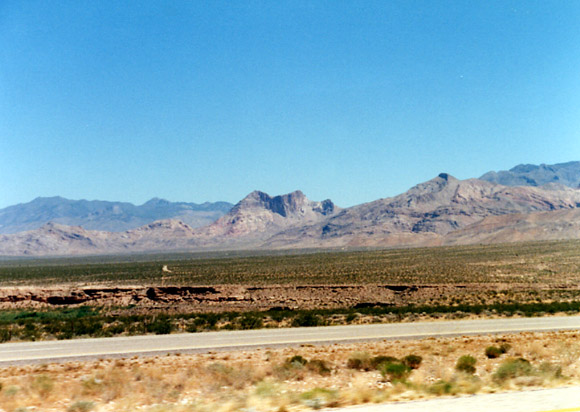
230,297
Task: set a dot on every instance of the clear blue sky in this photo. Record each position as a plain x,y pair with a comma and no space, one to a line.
349,100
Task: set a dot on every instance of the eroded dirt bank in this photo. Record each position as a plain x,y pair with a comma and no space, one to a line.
228,297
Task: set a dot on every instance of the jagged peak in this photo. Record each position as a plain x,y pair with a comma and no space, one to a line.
263,196
283,205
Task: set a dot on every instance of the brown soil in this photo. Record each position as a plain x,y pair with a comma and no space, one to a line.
244,298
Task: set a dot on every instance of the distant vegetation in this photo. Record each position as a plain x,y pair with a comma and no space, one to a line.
85,321
555,262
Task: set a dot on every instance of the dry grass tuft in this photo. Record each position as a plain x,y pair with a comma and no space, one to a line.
281,380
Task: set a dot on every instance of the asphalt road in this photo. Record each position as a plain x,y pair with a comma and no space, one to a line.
59,351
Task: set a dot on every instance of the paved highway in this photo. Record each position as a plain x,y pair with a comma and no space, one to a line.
59,351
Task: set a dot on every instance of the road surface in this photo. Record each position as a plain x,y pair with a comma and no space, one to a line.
59,351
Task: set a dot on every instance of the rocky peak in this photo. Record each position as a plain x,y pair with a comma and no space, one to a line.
283,205
326,207
442,183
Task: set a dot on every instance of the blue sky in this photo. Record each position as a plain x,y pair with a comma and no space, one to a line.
349,100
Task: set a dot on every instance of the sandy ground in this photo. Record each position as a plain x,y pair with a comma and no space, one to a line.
264,380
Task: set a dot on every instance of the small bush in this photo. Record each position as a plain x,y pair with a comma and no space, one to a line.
505,347
308,319
43,385
319,397
160,327
251,321
441,388
5,335
550,371
296,360
466,364
395,371
378,360
351,317
360,361
412,361
493,352
512,368
319,366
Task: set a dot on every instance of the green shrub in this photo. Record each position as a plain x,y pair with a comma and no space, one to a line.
441,388
251,321
378,360
319,397
159,327
308,319
512,368
493,352
5,334
394,371
466,364
350,317
412,361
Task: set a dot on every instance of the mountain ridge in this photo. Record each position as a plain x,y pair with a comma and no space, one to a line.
443,210
105,215
567,174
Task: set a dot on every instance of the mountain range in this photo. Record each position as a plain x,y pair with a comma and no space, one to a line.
107,216
567,174
525,203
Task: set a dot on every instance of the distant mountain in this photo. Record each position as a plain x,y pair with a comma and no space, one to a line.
259,215
443,210
567,174
107,216
55,239
255,218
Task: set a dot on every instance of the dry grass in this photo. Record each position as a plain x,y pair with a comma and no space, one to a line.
269,380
